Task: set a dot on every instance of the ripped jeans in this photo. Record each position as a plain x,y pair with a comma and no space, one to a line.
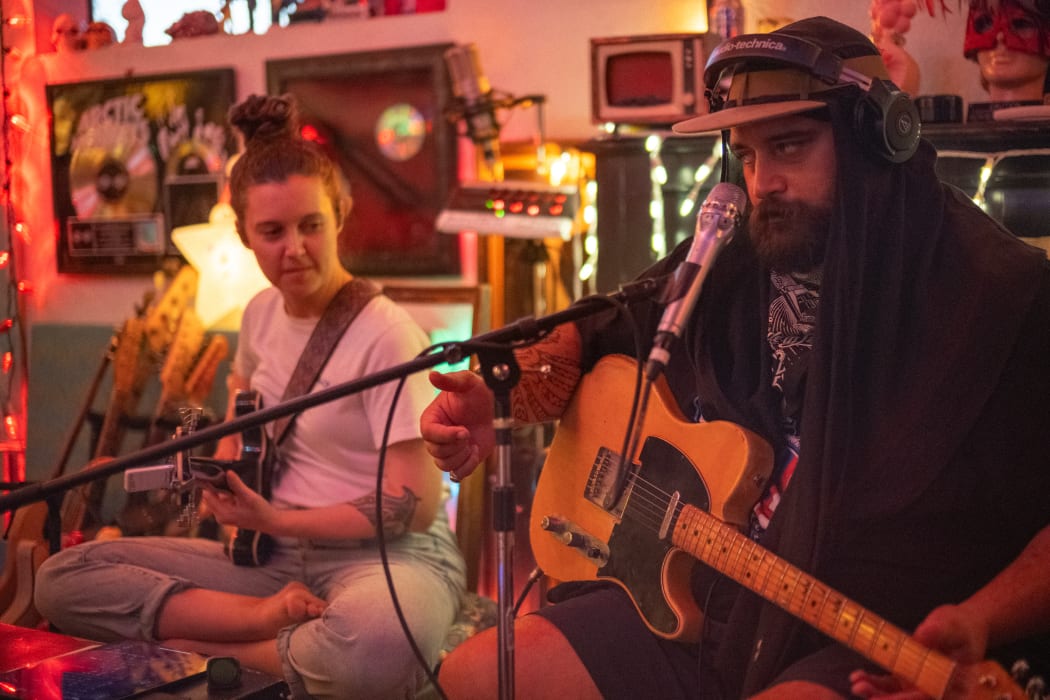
110,590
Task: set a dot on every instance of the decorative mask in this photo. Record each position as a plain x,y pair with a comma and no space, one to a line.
1022,29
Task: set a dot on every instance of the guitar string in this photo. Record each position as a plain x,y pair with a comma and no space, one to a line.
652,509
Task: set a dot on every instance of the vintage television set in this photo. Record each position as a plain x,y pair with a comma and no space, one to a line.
651,79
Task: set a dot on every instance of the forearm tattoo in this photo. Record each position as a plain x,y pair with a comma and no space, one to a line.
550,373
397,511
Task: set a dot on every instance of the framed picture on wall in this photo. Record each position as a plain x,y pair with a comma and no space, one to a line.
381,115
133,158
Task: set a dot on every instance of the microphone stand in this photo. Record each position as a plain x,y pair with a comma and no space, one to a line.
501,373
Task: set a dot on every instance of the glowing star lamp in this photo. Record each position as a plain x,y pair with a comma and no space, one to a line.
229,275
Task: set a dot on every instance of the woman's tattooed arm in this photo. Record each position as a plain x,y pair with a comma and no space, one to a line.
397,511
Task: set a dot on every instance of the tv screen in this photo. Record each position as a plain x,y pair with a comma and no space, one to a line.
639,79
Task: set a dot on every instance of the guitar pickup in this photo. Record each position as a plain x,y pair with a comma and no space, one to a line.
571,535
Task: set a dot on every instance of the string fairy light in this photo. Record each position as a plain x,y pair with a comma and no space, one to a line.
15,124
658,178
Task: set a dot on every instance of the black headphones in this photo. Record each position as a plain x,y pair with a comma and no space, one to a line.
885,119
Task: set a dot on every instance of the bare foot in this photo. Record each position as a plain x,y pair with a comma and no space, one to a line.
202,614
293,603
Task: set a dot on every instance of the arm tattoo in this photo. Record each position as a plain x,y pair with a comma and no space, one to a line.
397,511
550,373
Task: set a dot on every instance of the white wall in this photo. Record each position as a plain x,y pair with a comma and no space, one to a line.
526,47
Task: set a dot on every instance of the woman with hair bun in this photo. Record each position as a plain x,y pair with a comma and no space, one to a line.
318,611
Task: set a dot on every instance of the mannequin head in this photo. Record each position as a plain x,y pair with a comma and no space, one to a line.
99,34
66,34
1010,41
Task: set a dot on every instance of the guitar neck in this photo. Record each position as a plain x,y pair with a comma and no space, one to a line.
725,549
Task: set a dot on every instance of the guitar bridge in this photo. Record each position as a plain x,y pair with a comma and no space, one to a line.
602,481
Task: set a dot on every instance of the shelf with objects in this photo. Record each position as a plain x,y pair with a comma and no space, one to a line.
650,186
1004,166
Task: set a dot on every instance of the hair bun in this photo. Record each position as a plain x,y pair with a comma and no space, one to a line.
265,117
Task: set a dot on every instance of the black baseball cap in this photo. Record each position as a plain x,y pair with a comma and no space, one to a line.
787,71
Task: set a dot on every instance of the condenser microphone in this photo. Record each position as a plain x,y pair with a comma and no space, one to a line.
715,225
472,89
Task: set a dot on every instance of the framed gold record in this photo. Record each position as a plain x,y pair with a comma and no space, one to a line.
395,146
131,159
112,180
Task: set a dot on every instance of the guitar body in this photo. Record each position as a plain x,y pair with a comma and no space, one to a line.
255,467
26,551
685,502
716,466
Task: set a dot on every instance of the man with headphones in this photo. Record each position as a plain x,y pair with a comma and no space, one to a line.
888,340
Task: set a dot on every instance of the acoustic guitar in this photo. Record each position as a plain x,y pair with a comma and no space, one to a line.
685,502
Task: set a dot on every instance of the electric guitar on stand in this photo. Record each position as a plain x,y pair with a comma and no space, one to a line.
146,513
142,344
685,502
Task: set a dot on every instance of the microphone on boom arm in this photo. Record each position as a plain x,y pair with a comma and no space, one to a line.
474,95
716,224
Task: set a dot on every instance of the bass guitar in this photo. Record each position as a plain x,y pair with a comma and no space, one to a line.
685,502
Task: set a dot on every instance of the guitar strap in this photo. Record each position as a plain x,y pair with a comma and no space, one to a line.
337,317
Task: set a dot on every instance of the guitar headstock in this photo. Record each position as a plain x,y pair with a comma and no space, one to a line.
127,355
162,319
202,376
992,682
1034,685
184,347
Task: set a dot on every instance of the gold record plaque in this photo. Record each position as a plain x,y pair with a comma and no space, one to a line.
132,159
113,173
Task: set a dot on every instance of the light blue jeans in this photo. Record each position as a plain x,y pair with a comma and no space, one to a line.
357,649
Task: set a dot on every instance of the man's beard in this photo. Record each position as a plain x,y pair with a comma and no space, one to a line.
789,236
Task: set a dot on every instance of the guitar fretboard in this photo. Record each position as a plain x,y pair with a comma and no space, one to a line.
742,559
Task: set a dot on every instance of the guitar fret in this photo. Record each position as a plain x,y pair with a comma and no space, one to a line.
845,621
690,536
913,658
802,585
764,588
719,546
886,645
809,601
862,633
747,552
786,584
828,595
875,634
736,550
783,574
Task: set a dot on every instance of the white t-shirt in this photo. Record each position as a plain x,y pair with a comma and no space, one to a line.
332,452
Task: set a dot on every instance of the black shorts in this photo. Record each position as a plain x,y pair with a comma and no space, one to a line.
623,657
